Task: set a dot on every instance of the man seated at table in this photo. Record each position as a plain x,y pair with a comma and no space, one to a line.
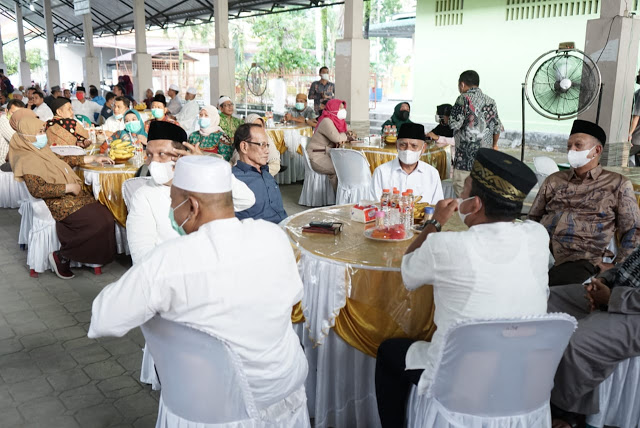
55,93
115,122
107,108
585,209
41,108
607,334
252,145
202,280
301,113
85,107
147,222
407,171
188,116
228,122
496,269
159,112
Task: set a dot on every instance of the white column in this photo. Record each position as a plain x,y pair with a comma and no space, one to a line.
53,67
617,64
25,70
142,64
3,66
352,68
90,61
222,61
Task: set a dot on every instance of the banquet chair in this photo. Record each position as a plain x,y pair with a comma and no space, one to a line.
618,397
545,166
494,373
130,186
317,190
354,176
9,191
204,386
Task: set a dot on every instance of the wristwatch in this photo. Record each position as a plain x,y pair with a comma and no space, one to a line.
435,224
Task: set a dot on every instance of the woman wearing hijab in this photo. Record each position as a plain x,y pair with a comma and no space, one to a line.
85,227
210,136
64,129
331,132
133,128
400,116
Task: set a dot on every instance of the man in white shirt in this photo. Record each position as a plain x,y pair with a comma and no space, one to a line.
208,286
6,132
115,123
175,105
496,269
407,171
41,109
188,115
85,107
148,224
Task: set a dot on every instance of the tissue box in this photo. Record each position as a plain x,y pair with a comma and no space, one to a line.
363,213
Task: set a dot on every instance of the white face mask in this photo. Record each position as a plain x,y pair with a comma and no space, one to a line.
409,157
579,158
342,114
460,201
161,172
325,76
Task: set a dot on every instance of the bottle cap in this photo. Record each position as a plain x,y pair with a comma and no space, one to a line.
379,214
429,210
405,193
396,191
409,190
385,190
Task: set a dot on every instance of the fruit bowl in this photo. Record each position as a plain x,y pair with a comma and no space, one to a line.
392,234
119,161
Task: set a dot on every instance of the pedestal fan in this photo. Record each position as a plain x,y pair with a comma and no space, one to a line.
561,84
256,83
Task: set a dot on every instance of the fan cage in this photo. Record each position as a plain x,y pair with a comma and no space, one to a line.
256,76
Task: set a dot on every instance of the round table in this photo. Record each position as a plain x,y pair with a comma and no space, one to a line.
106,184
287,140
438,157
354,299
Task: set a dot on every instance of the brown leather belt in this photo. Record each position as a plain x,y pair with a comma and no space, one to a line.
320,150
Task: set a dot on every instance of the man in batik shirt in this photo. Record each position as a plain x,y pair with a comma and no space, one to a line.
475,123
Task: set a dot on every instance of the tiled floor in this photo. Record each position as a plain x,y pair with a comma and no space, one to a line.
51,374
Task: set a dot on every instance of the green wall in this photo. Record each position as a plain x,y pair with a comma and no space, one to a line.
500,51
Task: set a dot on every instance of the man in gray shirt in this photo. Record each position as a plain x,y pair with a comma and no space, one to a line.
321,89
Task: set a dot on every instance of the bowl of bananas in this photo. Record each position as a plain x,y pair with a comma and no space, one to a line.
140,107
121,151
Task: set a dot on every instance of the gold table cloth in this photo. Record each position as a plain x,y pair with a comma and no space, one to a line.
278,136
105,182
362,297
632,174
434,156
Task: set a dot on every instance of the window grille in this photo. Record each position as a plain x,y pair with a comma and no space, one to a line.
518,10
449,12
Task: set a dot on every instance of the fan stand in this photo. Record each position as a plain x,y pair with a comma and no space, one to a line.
523,117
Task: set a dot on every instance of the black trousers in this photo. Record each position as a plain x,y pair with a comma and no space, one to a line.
572,273
393,382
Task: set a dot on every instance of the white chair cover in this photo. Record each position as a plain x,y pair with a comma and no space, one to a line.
494,374
204,385
316,190
545,166
130,186
354,176
619,395
9,191
122,245
25,213
43,238
447,189
68,150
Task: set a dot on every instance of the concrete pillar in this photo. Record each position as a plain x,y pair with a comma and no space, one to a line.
617,64
3,66
142,64
90,61
352,68
53,67
222,60
25,70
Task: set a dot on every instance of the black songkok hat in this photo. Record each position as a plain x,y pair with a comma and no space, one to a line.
80,88
443,110
503,175
161,99
411,130
58,102
161,130
589,128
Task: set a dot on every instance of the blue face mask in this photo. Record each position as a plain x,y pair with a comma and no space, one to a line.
157,113
174,224
204,122
133,127
118,116
41,141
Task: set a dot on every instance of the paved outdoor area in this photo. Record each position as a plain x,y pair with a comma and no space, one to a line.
51,374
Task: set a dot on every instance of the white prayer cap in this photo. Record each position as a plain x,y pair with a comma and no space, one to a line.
192,90
203,174
223,100
174,87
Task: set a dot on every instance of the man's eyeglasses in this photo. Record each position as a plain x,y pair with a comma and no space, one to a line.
262,145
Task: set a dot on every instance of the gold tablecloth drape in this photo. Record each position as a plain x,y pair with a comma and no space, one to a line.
277,135
296,313
110,181
434,156
632,174
378,307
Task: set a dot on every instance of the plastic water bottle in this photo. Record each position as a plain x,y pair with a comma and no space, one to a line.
405,213
394,208
385,200
380,220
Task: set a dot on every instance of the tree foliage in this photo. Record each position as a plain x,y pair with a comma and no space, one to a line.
285,42
12,60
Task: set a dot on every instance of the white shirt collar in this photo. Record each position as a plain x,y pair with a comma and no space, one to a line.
397,167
